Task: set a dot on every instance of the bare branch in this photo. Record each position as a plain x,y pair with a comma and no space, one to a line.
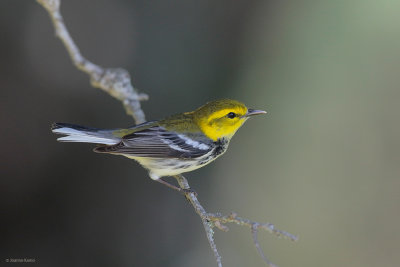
117,83
211,220
208,225
254,231
233,218
114,81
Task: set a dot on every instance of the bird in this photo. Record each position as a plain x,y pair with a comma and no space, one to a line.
171,146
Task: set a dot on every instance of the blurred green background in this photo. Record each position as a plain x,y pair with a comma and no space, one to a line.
323,164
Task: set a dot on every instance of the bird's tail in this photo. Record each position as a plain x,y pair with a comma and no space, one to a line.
81,134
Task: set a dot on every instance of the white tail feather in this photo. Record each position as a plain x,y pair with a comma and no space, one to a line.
74,135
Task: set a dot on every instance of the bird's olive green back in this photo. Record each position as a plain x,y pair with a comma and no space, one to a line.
183,123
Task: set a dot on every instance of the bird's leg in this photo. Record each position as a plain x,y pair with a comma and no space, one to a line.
181,190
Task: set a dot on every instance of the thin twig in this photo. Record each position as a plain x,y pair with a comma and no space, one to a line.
114,81
208,225
211,220
117,83
233,218
254,231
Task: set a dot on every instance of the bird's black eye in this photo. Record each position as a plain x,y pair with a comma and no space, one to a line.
231,115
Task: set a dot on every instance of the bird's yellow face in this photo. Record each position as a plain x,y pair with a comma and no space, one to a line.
222,118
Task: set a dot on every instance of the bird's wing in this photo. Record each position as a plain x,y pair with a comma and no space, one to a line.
157,142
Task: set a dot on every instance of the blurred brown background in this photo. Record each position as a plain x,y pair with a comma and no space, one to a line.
323,164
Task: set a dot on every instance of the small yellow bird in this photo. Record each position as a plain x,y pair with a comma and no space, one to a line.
171,146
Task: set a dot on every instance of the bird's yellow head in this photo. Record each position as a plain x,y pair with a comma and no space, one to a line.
222,118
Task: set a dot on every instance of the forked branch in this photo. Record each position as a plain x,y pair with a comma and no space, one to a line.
117,83
211,220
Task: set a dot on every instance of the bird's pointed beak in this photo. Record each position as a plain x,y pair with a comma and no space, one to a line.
251,112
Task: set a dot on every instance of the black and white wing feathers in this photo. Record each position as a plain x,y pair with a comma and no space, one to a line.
160,143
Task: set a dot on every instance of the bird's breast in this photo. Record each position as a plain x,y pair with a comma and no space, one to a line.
221,145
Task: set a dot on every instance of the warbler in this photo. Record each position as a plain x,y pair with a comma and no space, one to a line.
177,144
